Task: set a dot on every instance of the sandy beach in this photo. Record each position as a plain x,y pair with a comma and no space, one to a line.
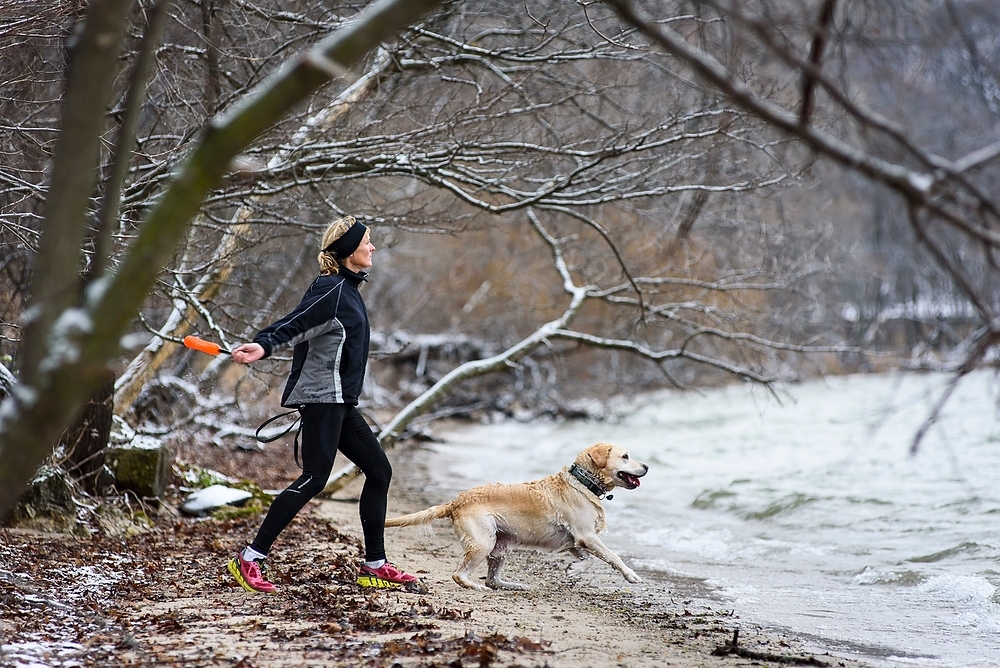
163,597
580,613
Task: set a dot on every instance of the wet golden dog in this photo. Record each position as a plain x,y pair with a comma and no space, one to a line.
561,512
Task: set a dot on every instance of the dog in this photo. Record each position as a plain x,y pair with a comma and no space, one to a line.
560,512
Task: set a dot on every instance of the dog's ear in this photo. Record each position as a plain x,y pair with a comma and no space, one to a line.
599,455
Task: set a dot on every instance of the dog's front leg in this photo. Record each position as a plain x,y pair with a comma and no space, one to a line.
593,544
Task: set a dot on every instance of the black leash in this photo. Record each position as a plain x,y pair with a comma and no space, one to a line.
298,421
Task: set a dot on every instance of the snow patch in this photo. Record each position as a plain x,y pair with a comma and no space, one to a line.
95,291
216,496
64,347
19,401
921,182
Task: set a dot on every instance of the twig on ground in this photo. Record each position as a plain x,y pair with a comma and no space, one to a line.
733,647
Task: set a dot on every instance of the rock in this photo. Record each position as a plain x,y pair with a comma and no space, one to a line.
141,466
116,523
206,500
47,504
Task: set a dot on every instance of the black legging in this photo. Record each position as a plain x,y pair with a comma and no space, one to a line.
327,428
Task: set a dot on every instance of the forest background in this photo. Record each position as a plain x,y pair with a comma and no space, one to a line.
570,200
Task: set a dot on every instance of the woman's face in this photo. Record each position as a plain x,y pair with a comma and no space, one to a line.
361,258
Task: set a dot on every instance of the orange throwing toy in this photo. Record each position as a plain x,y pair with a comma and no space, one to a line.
203,346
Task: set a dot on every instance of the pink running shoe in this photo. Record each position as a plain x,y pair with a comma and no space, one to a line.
252,575
386,576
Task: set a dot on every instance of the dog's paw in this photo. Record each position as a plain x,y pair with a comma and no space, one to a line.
467,583
632,577
507,585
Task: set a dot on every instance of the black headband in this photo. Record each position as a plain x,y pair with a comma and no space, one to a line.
345,245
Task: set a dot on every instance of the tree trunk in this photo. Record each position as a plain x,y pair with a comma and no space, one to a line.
41,404
86,440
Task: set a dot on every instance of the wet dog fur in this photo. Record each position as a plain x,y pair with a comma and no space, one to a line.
556,513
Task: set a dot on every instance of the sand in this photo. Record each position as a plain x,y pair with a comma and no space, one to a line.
163,597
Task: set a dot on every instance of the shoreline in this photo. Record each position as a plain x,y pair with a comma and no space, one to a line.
163,597
649,624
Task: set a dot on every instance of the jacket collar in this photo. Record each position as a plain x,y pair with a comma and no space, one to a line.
355,277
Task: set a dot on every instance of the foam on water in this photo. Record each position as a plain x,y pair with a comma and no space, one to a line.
807,513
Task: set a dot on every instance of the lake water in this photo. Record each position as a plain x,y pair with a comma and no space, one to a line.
805,513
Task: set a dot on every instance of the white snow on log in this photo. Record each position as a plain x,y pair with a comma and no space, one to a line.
210,498
143,442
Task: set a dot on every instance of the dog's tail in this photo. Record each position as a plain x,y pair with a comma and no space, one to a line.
423,517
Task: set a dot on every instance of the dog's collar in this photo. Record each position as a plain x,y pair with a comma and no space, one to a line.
590,481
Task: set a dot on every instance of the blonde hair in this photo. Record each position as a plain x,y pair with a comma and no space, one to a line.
328,264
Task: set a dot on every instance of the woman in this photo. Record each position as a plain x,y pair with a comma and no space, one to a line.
330,332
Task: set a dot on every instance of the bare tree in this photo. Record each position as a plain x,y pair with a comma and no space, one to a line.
470,121
479,122
658,154
944,189
70,345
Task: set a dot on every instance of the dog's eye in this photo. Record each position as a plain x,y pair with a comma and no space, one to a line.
625,456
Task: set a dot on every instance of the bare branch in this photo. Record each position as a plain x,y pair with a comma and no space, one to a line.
107,217
820,34
422,404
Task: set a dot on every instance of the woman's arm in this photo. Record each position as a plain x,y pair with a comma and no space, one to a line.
312,317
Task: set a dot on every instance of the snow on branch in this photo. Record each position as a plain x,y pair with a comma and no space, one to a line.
919,187
662,355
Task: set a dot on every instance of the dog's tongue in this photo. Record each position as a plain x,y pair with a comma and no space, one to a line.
632,479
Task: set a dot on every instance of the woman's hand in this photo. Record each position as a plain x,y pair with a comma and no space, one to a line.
247,353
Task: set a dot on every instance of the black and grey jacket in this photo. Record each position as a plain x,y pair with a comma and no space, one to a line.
330,331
